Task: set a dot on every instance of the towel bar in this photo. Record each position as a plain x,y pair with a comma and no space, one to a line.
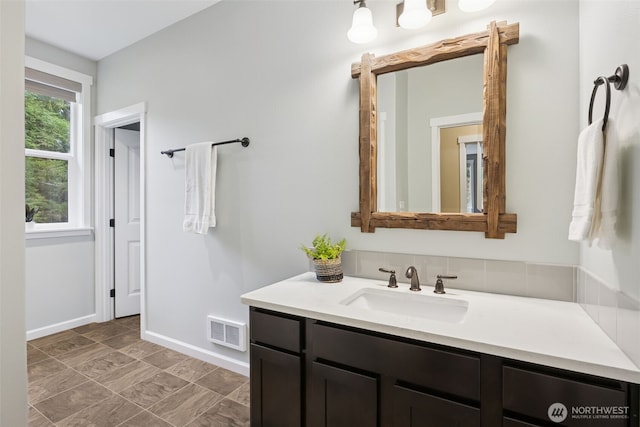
244,141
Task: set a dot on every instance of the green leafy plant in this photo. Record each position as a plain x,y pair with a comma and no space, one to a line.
29,213
324,249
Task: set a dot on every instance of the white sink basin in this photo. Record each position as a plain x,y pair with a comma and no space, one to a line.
424,306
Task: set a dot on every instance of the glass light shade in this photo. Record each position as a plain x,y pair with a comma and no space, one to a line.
474,5
362,29
415,14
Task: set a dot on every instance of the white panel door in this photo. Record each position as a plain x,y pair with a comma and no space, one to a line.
127,222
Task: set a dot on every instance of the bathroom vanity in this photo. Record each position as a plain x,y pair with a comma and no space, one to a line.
319,359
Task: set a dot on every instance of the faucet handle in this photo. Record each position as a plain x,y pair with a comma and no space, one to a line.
439,289
393,283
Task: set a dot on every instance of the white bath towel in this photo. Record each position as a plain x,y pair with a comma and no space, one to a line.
200,188
588,171
605,232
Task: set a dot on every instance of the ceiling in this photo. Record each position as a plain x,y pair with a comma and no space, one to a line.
97,28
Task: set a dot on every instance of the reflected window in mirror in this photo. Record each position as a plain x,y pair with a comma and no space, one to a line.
470,173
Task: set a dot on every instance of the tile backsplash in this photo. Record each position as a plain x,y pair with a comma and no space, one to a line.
617,314
504,277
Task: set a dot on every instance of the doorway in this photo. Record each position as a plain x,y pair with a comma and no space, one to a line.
108,177
126,204
438,125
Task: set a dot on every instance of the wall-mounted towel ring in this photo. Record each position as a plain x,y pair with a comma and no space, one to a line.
619,80
597,83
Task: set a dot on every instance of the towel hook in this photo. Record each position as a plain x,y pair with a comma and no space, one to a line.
619,80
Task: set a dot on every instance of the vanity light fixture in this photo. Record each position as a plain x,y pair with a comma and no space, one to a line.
474,5
362,29
410,15
415,14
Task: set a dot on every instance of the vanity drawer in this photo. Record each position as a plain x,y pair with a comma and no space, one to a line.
532,393
449,372
276,330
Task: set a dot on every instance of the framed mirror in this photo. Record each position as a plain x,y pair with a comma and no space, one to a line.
477,199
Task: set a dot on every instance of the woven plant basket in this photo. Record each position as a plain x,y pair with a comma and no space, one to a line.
329,271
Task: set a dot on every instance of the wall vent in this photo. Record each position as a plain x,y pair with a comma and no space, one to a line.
227,333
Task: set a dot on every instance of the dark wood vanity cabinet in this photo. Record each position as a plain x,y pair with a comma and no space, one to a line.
276,370
311,373
393,382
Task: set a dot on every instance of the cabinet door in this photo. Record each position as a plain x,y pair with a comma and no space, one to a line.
276,388
415,409
341,398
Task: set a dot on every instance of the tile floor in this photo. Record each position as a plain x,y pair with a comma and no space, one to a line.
103,374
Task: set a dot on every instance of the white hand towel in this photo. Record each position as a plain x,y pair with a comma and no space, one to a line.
606,232
200,188
589,166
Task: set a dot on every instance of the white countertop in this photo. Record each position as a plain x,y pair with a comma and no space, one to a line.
552,333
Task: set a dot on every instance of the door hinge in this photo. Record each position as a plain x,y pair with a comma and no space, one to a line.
112,152
112,293
112,222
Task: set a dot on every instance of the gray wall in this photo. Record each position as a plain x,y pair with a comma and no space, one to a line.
46,52
611,38
59,285
608,285
283,79
60,271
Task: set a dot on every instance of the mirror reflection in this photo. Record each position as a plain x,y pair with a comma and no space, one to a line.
430,137
461,173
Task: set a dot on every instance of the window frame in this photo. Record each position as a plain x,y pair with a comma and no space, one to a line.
78,158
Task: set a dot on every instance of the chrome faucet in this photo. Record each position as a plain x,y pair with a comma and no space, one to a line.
412,274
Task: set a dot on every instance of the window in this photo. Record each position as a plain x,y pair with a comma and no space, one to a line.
56,133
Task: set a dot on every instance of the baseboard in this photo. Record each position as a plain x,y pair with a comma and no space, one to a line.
59,327
198,353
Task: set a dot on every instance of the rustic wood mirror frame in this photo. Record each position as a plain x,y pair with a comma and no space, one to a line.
493,221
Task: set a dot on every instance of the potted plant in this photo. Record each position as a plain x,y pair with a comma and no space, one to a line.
29,214
326,258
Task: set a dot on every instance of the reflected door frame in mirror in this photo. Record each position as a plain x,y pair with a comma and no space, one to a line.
493,221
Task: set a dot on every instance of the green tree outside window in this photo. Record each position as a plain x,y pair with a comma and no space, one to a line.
47,128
